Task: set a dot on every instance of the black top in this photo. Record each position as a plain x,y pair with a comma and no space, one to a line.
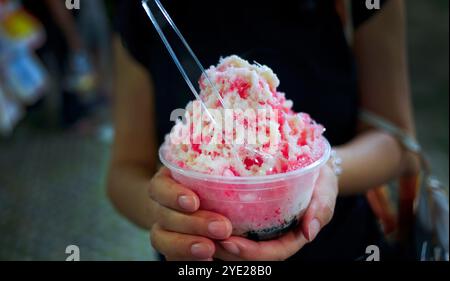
304,43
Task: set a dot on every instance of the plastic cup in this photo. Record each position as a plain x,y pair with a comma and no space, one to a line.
259,207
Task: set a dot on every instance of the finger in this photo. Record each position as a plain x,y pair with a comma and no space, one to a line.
203,223
171,194
321,209
177,246
227,251
239,248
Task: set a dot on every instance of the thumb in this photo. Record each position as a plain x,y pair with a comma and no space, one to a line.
321,209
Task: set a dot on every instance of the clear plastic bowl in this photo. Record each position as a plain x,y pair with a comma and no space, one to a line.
259,207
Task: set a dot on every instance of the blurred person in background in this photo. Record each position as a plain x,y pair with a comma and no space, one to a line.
304,43
77,54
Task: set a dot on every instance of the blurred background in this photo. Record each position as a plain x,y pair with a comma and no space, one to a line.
56,130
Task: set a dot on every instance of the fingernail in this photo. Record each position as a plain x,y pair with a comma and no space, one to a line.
218,229
201,251
187,202
230,247
314,227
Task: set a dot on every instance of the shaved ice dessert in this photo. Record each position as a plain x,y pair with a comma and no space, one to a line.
254,160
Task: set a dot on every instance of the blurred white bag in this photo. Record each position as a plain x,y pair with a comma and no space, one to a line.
432,221
10,113
429,214
22,73
22,76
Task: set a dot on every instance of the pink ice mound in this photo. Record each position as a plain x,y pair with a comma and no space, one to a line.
286,140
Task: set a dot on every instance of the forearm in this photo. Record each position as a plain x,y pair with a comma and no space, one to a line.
133,155
128,190
369,160
373,157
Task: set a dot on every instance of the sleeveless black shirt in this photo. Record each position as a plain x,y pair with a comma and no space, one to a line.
304,43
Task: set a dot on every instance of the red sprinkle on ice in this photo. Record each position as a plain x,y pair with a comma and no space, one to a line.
285,150
196,148
241,86
249,162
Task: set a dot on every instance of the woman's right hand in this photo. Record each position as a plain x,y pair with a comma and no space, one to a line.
180,231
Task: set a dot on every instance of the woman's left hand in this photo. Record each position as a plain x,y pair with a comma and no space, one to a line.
319,213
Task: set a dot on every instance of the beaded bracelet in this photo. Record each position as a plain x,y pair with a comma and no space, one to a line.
336,163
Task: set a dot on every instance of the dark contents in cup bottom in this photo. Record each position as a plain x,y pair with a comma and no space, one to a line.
272,232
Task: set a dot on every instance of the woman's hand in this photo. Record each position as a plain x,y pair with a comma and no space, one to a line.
318,214
180,230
